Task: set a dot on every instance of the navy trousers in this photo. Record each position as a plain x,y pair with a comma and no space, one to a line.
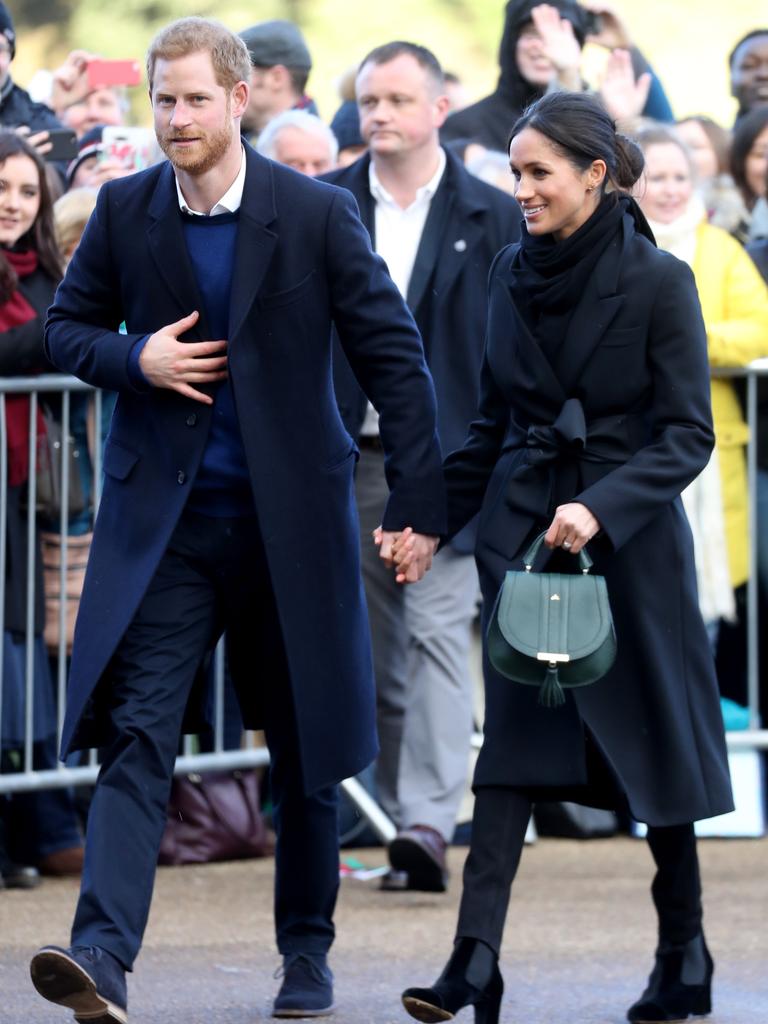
212,577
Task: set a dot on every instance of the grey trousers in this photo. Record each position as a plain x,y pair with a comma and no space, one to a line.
421,640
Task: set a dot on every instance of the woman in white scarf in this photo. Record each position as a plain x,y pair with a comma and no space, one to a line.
734,302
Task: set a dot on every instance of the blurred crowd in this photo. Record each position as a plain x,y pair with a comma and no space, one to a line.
704,194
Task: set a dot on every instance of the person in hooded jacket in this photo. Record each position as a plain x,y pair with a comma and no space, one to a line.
540,51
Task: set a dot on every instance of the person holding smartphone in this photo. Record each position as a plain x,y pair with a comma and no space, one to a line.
83,97
18,111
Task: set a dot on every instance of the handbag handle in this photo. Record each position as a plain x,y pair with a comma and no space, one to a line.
585,562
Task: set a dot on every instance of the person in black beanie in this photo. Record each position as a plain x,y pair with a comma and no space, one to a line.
17,108
346,127
540,51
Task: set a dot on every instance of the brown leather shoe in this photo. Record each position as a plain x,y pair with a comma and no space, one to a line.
420,852
62,862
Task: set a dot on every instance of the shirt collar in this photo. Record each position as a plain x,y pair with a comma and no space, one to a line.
427,191
229,202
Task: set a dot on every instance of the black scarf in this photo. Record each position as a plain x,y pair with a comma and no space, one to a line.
549,277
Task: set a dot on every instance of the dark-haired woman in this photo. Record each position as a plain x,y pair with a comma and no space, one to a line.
749,164
594,416
39,826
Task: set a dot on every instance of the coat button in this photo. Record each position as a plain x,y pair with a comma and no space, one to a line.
460,245
181,476
192,419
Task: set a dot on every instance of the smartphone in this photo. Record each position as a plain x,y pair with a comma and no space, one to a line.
134,148
64,146
102,73
593,23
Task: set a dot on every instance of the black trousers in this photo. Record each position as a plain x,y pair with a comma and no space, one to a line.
212,577
498,833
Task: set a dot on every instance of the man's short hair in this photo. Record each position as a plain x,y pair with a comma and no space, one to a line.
754,34
423,57
229,54
302,121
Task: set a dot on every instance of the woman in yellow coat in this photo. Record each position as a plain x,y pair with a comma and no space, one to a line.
734,301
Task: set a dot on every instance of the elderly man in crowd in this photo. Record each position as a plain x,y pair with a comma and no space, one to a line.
300,140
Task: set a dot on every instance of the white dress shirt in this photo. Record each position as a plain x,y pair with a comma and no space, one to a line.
398,234
229,202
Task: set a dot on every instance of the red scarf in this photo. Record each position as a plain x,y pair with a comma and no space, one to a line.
13,313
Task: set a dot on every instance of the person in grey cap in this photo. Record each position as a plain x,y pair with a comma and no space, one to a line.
280,66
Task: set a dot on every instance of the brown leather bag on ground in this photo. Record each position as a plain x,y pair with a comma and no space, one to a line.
215,816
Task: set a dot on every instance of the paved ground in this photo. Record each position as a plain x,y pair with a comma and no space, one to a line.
577,948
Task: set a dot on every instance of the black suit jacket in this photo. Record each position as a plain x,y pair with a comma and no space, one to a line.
467,224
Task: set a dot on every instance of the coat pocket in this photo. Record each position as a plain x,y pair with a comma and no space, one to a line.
289,295
118,461
620,337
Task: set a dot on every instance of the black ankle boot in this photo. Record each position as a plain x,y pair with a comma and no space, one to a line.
470,978
680,984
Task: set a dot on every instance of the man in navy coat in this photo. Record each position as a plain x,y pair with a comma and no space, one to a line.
438,228
227,503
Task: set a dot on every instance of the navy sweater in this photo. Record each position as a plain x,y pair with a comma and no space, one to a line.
222,486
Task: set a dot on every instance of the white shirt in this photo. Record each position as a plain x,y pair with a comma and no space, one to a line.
398,231
398,234
229,202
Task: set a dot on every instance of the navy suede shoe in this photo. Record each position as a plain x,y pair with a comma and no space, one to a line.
307,989
86,979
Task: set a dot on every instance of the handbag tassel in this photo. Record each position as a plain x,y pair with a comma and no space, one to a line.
551,693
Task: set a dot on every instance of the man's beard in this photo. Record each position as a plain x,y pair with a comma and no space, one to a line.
207,152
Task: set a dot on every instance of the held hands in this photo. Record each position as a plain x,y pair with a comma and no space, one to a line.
167,362
410,553
571,528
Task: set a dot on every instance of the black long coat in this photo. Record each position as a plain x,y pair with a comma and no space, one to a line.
303,261
622,424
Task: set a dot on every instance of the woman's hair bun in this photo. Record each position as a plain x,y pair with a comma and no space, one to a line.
629,161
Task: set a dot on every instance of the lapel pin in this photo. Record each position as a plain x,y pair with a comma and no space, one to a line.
460,245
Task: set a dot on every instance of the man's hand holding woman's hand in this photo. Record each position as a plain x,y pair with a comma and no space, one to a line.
409,553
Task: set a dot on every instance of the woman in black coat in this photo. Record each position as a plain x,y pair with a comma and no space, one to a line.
594,416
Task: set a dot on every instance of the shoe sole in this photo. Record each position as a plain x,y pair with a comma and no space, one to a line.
60,979
424,874
325,1012
425,1012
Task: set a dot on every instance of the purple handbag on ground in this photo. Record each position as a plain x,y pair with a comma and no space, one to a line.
215,816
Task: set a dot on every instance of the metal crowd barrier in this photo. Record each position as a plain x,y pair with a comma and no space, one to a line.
250,755
27,778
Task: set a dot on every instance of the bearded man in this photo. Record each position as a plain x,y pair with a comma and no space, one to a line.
227,503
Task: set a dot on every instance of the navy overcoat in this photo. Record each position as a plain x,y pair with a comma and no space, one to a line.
303,261
620,422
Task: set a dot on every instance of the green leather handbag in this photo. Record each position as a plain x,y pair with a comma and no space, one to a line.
552,630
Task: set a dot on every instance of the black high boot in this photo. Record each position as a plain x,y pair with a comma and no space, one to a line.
680,984
470,978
